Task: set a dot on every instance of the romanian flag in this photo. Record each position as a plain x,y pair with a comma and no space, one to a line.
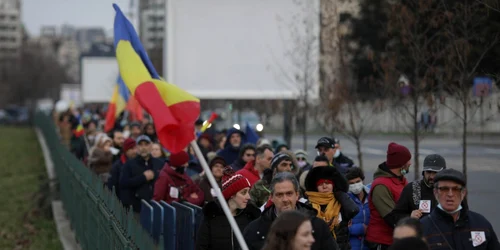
116,105
77,127
174,111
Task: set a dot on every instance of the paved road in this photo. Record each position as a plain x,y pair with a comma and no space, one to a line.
483,165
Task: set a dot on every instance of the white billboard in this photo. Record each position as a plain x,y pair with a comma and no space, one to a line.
240,49
98,78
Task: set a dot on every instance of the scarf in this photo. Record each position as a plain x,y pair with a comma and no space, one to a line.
332,211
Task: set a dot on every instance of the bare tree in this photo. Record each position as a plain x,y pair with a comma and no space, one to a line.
468,47
302,68
33,74
412,57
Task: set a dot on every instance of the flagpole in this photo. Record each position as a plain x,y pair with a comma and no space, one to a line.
220,197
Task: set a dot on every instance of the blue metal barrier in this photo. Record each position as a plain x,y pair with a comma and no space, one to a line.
158,220
185,226
198,217
146,216
169,226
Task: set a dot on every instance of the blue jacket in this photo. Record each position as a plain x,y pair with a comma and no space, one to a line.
356,230
230,153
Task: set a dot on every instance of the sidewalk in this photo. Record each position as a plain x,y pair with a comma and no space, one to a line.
66,234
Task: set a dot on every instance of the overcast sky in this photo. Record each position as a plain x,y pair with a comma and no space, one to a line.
80,13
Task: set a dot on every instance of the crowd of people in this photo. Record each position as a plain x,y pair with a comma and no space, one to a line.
281,199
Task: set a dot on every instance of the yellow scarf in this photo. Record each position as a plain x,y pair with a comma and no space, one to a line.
332,211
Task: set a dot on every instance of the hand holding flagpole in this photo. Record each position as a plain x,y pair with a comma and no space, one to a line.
220,197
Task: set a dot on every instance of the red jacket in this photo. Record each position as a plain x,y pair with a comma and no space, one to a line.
378,231
250,173
169,179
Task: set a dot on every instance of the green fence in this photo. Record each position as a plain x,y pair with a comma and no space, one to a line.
96,214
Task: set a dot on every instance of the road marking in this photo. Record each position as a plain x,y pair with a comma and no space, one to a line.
426,151
374,151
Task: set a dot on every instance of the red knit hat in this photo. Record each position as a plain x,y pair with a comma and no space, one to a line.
128,144
233,184
178,159
397,155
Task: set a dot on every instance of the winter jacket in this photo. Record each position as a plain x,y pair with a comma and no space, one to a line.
357,228
100,162
204,185
230,153
256,232
410,199
133,183
169,180
343,163
216,233
260,192
470,232
384,194
114,175
250,173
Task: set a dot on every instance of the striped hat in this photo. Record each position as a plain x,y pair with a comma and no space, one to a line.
233,184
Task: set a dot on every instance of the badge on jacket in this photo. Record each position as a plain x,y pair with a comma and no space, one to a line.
478,238
174,192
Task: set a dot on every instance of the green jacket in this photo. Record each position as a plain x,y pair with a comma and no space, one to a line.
259,193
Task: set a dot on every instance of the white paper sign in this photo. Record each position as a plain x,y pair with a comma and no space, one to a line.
478,238
425,206
174,192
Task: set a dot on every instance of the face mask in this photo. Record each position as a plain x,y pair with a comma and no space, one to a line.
356,188
452,212
404,171
302,163
337,153
179,170
126,133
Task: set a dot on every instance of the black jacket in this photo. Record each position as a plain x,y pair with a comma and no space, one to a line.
133,183
343,163
458,234
215,231
255,234
410,200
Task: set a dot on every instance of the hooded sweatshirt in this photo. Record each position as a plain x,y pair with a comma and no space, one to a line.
230,153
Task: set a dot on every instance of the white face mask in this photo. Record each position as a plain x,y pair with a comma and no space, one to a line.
356,188
337,153
302,163
126,133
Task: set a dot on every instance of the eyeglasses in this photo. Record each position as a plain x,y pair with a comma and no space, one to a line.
454,190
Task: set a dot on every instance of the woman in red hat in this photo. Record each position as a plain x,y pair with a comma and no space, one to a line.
215,230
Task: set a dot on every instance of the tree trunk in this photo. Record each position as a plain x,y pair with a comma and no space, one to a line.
416,138
464,135
360,153
304,126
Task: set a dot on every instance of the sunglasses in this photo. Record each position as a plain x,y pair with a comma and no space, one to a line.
301,159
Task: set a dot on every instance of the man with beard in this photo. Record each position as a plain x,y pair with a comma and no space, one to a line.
234,139
417,199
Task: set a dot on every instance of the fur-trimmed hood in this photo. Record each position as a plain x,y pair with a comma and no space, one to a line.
329,173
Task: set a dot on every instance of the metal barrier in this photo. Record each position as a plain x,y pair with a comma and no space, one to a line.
97,216
185,226
198,217
169,226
